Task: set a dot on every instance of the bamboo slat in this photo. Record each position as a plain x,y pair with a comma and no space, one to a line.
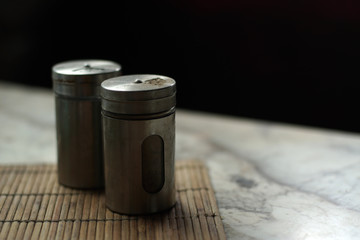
34,206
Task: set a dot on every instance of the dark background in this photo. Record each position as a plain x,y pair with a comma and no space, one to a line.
287,61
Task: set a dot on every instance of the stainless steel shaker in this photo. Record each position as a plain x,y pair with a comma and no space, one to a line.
139,141
78,120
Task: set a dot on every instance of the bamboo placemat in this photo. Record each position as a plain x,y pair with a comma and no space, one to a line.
34,206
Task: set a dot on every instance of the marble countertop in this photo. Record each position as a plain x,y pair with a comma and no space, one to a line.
272,180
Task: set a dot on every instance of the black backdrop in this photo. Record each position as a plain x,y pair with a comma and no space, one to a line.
288,61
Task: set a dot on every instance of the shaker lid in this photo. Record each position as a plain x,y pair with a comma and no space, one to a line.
138,87
82,78
73,70
138,94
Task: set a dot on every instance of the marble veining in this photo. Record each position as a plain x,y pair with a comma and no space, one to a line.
27,122
271,180
276,181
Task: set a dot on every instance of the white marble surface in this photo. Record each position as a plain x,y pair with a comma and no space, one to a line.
272,181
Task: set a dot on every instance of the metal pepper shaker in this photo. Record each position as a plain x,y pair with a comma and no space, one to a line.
78,120
139,143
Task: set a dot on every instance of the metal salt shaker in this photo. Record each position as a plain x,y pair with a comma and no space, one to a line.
139,143
78,120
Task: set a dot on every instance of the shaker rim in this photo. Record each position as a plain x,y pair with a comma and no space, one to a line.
138,87
69,70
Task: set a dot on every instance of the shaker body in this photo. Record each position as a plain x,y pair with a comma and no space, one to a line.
139,164
78,120
79,142
138,119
